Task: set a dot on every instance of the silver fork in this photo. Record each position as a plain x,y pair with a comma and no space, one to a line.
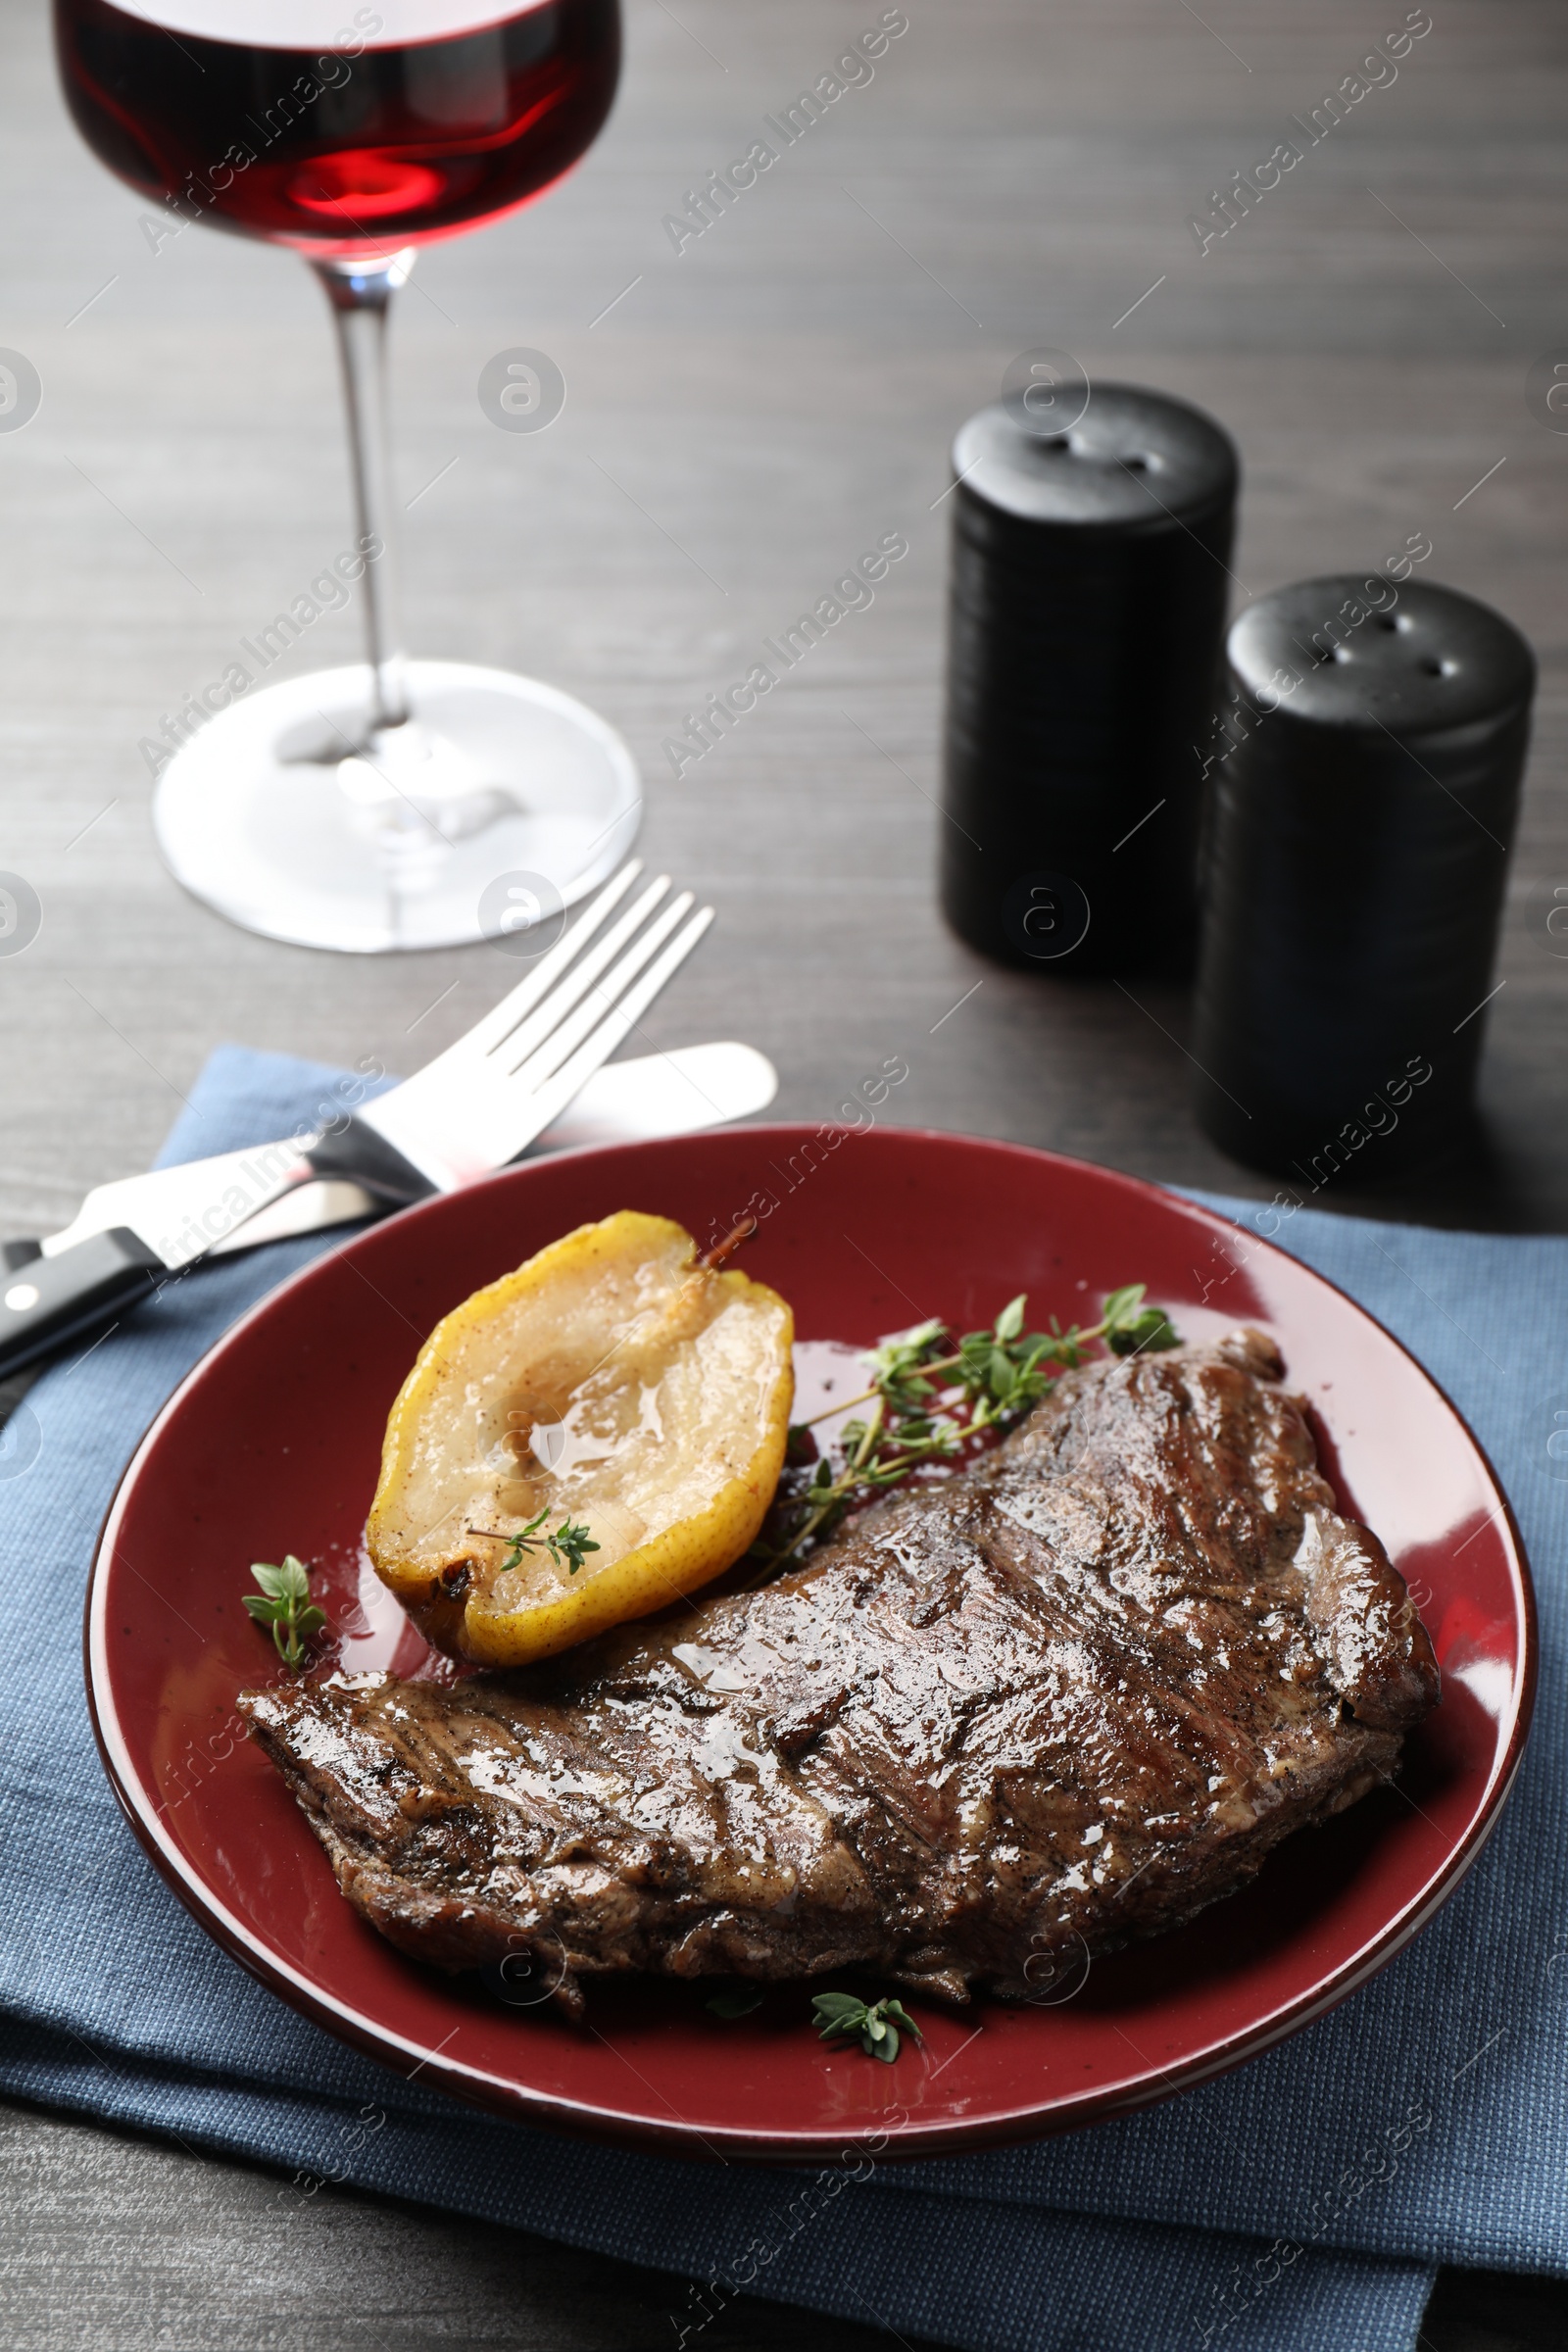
469,1110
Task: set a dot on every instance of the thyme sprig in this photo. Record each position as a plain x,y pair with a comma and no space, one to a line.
569,1544
876,2023
284,1603
931,1395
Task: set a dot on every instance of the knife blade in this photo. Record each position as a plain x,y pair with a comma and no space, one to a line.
650,1095
639,1100
143,1227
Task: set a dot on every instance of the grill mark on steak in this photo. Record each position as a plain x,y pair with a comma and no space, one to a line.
1077,1691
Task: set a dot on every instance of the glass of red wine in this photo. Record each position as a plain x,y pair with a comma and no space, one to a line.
396,804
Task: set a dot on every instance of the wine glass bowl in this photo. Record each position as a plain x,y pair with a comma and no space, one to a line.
337,147
368,809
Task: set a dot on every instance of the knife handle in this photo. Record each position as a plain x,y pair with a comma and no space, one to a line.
52,1299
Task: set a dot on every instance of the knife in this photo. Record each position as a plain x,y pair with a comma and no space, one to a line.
654,1094
472,1108
152,1224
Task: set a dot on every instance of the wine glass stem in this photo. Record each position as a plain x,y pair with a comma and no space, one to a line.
361,295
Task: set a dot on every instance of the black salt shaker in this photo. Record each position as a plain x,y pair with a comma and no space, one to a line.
1087,609
1365,787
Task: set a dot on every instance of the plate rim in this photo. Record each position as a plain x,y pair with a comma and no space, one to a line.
902,2142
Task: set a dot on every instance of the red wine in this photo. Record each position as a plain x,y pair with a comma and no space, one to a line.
350,138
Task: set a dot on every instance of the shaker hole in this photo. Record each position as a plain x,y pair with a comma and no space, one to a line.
1135,464
1435,668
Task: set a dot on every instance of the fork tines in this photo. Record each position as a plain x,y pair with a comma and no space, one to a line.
483,1100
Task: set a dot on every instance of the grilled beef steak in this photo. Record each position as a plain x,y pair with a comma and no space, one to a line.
1077,1691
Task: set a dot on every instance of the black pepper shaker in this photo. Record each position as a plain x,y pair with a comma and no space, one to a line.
1088,600
1364,790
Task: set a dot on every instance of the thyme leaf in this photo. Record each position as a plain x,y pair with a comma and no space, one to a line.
735,2001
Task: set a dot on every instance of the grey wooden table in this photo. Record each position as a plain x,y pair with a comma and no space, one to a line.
742,418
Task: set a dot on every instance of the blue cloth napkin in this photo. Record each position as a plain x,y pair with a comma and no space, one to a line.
1304,2201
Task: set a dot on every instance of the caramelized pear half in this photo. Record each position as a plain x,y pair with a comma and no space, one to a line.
613,1386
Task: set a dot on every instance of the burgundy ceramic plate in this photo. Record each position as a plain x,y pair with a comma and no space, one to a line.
272,1445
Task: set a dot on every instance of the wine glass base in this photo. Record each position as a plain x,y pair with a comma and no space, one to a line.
502,803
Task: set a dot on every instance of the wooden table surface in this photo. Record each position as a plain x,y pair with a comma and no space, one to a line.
742,419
